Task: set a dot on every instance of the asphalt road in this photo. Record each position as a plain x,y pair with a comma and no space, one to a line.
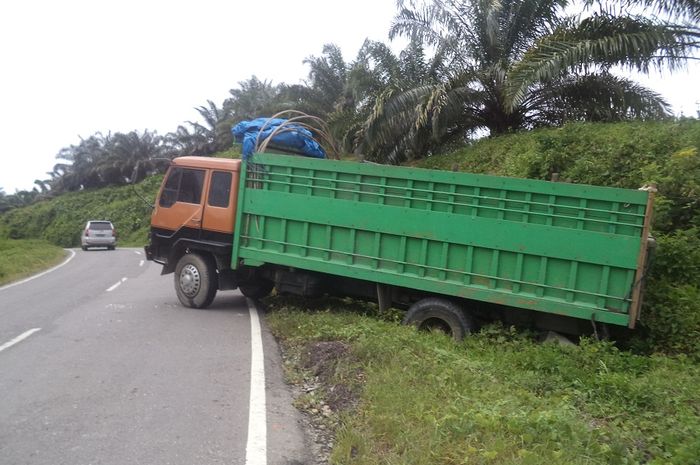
100,364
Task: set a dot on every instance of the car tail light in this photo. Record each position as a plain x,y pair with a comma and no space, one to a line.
114,232
87,230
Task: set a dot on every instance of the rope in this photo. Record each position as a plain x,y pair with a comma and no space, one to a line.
318,127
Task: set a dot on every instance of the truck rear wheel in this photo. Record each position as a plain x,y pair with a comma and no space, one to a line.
438,314
195,280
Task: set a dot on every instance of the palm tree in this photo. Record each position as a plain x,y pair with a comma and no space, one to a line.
79,168
518,64
379,81
187,142
345,94
253,99
130,157
324,91
100,160
216,130
5,203
611,36
43,185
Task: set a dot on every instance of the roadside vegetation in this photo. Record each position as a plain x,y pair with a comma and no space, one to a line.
61,220
21,258
502,396
394,395
628,155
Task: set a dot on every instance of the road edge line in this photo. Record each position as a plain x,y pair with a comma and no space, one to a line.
256,446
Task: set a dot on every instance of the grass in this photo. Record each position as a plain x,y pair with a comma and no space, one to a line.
500,397
21,258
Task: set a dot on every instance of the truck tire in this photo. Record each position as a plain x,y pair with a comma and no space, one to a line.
256,288
435,313
195,280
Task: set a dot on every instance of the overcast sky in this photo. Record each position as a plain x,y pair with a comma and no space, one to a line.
71,68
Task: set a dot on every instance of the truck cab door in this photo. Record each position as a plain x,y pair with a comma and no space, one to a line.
220,210
180,205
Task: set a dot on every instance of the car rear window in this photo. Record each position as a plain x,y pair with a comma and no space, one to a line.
101,226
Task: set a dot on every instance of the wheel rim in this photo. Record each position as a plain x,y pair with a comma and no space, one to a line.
190,280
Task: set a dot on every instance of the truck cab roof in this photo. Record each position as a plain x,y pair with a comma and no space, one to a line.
227,164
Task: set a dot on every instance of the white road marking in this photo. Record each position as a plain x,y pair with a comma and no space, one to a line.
72,254
137,252
114,286
142,262
19,338
256,448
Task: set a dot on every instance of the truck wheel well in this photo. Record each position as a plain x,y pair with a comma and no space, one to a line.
181,249
437,313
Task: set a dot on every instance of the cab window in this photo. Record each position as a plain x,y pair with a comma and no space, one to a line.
220,189
183,185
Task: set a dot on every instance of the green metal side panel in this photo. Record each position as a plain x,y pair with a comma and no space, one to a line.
561,248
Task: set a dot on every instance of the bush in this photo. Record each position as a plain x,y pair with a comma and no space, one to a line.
60,220
626,155
671,315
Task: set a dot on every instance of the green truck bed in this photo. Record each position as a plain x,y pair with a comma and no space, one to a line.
567,249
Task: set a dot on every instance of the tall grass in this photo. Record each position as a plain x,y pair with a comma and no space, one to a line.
500,397
21,258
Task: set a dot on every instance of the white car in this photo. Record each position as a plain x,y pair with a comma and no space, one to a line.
99,234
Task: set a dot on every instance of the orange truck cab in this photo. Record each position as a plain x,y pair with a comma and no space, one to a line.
192,228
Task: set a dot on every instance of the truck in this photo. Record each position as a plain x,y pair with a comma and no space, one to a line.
451,249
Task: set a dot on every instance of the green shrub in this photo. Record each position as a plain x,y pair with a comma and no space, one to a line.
671,315
627,155
60,220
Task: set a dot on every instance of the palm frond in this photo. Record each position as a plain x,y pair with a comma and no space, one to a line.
594,97
674,9
602,40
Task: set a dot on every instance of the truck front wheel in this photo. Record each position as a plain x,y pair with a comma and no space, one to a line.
195,280
437,314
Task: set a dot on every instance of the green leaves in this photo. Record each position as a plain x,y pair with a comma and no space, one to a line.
530,65
624,155
601,40
60,220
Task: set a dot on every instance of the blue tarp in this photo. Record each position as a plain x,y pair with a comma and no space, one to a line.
293,137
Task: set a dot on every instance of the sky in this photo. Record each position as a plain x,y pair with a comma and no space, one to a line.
71,68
